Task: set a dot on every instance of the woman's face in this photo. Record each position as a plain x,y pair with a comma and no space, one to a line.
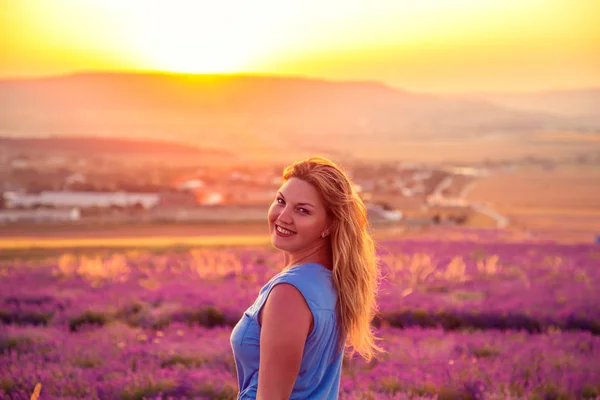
297,217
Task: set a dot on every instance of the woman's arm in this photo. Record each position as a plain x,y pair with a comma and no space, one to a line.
286,322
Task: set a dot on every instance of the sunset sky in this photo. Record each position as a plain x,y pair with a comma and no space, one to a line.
418,45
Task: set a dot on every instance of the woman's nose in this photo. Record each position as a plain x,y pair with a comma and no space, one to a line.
285,216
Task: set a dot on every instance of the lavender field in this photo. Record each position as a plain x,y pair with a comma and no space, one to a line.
473,318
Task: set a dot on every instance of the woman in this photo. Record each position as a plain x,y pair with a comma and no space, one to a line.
289,344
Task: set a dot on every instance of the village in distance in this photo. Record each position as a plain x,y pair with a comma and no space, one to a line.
79,180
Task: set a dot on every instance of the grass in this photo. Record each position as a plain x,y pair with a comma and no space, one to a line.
185,361
45,253
23,317
87,362
7,384
35,244
88,318
463,295
147,390
207,316
484,351
8,343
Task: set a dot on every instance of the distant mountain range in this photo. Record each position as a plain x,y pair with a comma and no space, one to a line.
273,114
584,104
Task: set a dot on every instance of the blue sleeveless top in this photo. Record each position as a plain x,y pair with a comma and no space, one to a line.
321,366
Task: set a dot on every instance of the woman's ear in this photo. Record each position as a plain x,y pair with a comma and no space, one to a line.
330,226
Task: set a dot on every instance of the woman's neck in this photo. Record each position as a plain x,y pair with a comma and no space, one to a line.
320,255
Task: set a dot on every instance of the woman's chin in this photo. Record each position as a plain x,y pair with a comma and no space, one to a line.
280,243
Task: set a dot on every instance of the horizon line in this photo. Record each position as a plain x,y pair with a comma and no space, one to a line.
66,74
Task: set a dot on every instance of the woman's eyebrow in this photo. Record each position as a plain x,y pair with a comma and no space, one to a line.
298,204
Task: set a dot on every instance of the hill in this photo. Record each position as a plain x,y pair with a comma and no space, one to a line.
574,103
99,145
581,105
254,114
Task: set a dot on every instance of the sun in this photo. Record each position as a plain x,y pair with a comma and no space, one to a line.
207,54
194,37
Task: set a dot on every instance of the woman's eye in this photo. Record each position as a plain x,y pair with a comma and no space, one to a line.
303,210
280,200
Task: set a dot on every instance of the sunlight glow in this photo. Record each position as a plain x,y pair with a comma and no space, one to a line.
430,44
192,38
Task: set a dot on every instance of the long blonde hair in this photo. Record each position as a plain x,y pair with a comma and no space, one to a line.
355,269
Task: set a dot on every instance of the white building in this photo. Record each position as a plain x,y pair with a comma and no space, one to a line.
76,177
467,171
376,212
212,198
190,184
421,176
39,215
67,199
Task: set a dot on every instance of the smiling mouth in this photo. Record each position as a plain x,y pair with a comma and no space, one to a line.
283,231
